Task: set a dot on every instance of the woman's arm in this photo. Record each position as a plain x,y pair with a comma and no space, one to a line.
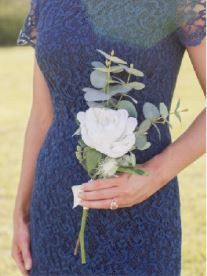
191,144
39,121
133,189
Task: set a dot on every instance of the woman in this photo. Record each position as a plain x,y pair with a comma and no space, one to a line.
143,235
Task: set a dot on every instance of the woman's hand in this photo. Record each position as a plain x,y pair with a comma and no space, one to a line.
126,189
21,247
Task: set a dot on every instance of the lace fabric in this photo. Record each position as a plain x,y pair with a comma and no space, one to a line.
186,17
191,18
144,239
28,32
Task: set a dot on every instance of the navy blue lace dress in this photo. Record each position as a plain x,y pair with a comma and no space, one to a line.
144,239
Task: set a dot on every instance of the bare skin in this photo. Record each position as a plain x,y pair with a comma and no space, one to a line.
39,121
127,189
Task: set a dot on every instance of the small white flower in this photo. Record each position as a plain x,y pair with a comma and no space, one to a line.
107,167
108,131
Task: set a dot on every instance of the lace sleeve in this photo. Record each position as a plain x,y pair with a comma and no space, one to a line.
191,18
28,32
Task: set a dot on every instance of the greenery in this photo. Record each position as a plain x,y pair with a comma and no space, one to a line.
12,15
15,98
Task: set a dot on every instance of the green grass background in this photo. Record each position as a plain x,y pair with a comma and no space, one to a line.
12,15
15,102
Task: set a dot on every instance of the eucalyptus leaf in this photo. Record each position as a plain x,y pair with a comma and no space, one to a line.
120,80
158,130
98,64
93,95
133,99
136,85
147,145
144,126
132,171
112,58
150,111
177,105
98,79
113,81
177,114
115,89
93,157
112,69
128,106
141,141
163,110
133,71
94,104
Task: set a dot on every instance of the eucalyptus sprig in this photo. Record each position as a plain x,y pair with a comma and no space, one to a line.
105,82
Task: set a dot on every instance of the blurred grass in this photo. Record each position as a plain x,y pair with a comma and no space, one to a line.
12,14
15,98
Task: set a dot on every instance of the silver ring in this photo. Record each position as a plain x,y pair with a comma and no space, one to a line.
113,205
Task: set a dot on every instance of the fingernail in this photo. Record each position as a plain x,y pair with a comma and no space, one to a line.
27,265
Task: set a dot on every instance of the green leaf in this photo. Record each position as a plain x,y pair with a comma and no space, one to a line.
141,141
144,126
95,104
128,106
133,71
133,99
132,170
81,143
115,89
150,111
113,81
136,85
112,69
177,114
98,79
98,64
163,110
158,131
112,58
147,145
93,95
177,105
93,157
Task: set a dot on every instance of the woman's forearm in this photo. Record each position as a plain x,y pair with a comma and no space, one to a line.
182,152
34,136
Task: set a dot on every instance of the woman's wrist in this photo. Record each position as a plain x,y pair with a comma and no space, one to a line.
21,214
158,167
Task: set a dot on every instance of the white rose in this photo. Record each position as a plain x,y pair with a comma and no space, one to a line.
108,131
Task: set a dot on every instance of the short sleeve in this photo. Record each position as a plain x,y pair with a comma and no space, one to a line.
28,32
191,21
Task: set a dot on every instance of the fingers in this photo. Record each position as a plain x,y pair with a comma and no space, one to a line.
99,184
26,255
17,256
101,204
104,183
100,194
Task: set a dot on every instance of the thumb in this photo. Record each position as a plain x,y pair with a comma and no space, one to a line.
26,256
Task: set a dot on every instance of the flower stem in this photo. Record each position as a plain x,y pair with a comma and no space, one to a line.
76,246
81,235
